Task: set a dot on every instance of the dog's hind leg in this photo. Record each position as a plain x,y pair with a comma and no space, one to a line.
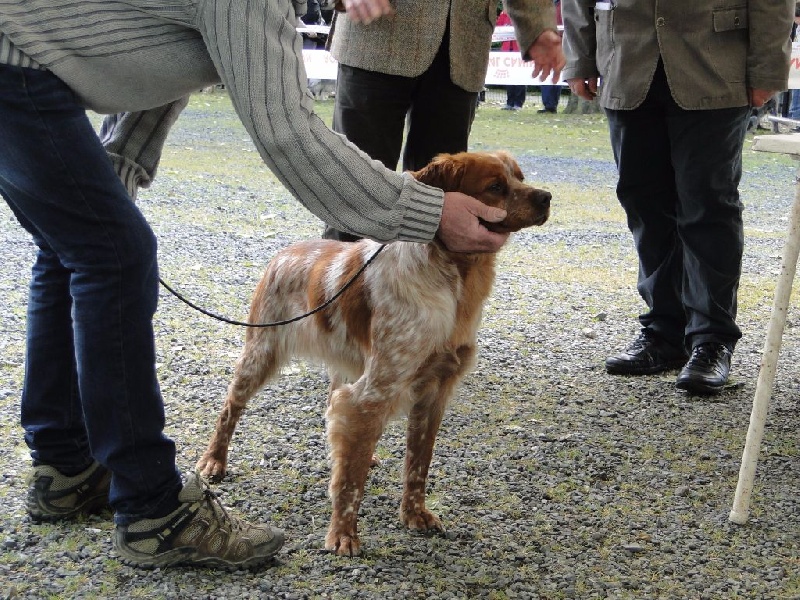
441,374
354,428
255,366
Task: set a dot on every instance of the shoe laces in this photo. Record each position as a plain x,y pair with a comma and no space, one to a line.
218,508
644,339
707,353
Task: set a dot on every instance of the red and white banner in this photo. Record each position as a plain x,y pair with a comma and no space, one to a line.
505,68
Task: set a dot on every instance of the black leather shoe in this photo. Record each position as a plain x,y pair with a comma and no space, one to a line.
707,370
647,354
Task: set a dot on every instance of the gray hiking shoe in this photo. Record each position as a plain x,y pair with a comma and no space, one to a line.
53,496
200,532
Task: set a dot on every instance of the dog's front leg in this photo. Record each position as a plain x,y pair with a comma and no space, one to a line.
436,385
423,425
353,431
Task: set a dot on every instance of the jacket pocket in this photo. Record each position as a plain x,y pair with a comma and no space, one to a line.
730,19
728,44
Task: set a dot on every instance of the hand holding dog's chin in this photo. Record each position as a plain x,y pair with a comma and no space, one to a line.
460,228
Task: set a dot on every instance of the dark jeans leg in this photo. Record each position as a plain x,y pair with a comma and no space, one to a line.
678,182
90,382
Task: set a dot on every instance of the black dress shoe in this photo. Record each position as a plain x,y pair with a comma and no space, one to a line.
647,354
707,370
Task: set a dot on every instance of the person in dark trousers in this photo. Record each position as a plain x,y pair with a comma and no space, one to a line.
678,83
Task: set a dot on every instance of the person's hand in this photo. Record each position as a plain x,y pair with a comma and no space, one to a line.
460,229
547,56
758,97
366,11
585,88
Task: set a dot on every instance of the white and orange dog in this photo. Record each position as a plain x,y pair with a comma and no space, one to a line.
397,341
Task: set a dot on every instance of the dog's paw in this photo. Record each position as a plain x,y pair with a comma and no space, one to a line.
343,544
211,468
421,520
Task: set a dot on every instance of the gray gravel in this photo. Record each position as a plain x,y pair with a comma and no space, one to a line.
554,479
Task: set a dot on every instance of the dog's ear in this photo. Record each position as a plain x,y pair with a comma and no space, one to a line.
445,171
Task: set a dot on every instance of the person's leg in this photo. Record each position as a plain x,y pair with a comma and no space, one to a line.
441,115
516,95
646,190
370,110
550,97
94,292
794,105
707,157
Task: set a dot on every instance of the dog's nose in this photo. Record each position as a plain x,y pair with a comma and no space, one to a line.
542,198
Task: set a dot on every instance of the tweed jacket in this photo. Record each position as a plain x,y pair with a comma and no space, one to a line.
712,50
406,43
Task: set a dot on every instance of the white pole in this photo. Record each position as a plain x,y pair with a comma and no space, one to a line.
769,360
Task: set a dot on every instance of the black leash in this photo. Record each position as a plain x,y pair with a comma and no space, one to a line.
322,306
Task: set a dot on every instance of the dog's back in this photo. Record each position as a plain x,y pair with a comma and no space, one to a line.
411,296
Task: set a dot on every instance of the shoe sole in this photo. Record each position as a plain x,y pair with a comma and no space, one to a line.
90,507
699,388
652,370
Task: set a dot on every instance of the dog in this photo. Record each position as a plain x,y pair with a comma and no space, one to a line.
396,342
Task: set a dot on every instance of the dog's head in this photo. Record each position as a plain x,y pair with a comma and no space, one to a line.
495,179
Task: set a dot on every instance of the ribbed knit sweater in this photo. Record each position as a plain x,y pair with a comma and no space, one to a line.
138,60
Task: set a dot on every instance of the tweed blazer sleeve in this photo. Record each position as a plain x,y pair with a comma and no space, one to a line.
712,50
406,43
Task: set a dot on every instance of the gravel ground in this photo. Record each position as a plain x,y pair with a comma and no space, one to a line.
554,479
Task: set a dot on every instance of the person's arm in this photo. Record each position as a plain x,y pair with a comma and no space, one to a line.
769,50
537,35
258,56
580,47
134,142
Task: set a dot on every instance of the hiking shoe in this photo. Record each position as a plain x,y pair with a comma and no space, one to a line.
200,532
53,496
707,370
647,354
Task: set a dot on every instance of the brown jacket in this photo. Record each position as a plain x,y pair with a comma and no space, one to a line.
406,42
713,50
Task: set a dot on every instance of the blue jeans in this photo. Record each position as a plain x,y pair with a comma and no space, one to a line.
794,105
679,173
90,388
550,96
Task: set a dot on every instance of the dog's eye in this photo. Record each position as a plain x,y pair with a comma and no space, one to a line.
497,187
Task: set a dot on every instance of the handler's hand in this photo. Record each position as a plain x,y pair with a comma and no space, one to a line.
758,97
547,55
366,11
460,230
585,88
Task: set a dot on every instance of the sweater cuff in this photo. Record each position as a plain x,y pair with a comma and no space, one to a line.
133,176
421,206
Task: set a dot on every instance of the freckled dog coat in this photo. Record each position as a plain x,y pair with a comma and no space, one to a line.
396,342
